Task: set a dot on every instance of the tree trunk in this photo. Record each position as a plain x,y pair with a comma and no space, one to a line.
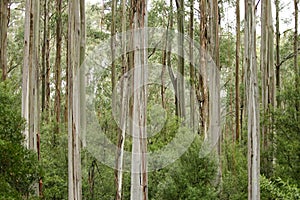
46,64
277,51
124,111
203,74
3,37
192,68
44,53
214,86
268,75
252,101
74,160
139,177
296,67
180,69
30,83
113,44
82,74
57,102
237,69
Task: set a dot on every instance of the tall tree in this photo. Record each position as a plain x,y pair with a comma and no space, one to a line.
180,69
30,83
192,68
3,36
277,51
57,102
44,53
296,67
82,88
237,69
74,115
139,176
113,43
267,68
124,110
252,102
203,74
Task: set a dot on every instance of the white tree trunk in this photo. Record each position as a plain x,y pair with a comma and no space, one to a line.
74,58
139,187
124,110
252,101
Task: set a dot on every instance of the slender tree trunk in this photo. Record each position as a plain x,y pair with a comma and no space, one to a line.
30,83
268,76
169,48
237,69
139,176
180,69
25,74
3,37
74,160
277,52
82,74
296,67
57,102
47,66
66,111
203,74
192,68
214,93
113,44
44,52
252,101
124,111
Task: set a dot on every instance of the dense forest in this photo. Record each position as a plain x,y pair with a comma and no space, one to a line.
157,99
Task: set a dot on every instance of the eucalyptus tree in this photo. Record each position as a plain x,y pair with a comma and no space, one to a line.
4,11
202,74
268,72
57,102
296,67
277,51
124,109
76,46
139,176
30,80
252,102
180,106
237,70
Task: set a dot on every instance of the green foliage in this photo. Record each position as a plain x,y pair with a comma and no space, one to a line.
190,177
278,189
235,180
287,137
18,166
54,162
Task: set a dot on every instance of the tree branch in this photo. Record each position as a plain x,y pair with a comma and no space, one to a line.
291,55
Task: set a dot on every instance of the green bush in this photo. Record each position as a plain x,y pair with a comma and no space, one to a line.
18,166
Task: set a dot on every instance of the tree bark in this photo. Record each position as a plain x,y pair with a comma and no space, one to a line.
124,111
57,103
82,74
30,83
203,63
139,176
277,51
3,37
44,53
180,68
296,67
252,101
237,69
74,160
192,68
113,44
